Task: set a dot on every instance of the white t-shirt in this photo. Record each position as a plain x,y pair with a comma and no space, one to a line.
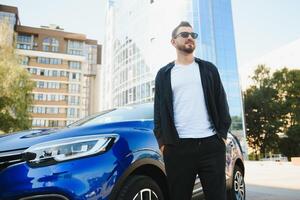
190,114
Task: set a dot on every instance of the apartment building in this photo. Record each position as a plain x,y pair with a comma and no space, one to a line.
63,66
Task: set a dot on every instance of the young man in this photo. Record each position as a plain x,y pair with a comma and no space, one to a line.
191,119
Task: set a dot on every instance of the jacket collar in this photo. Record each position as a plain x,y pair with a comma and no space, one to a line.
172,64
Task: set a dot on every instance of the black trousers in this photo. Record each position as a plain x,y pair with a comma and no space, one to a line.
203,156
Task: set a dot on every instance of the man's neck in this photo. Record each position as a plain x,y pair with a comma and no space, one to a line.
185,59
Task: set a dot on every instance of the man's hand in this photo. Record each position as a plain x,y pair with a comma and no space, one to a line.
224,140
162,148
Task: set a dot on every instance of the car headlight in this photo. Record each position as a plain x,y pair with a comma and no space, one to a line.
66,149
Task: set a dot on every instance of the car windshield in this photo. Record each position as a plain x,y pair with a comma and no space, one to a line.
130,113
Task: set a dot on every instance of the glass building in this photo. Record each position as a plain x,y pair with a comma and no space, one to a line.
138,44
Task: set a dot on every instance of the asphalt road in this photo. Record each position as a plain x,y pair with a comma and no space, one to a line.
272,181
254,192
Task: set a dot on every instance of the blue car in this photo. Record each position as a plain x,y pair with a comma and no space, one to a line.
109,156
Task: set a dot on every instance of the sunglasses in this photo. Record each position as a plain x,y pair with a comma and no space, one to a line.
186,35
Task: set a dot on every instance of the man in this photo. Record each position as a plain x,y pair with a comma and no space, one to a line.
191,120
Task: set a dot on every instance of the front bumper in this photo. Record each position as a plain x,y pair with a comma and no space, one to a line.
86,178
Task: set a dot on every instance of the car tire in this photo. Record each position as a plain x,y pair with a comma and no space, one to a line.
238,188
137,186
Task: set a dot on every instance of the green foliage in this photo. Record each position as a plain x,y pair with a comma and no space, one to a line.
288,85
15,87
290,145
253,156
272,108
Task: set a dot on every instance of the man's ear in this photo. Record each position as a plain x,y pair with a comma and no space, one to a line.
173,42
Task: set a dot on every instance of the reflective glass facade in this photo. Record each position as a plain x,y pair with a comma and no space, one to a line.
213,21
130,78
138,44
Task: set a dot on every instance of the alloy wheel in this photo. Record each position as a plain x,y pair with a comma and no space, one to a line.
239,186
146,194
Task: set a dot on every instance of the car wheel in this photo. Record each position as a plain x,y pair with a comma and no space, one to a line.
140,187
238,188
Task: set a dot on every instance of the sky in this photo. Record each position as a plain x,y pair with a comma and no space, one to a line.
264,25
79,16
260,26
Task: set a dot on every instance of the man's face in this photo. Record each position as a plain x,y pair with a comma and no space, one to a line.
186,45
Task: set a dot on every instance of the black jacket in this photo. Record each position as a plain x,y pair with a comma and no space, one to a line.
215,100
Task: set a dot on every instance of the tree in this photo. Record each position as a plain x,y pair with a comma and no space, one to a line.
290,145
15,87
288,84
272,108
261,113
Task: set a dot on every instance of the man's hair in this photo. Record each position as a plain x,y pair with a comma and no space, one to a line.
182,24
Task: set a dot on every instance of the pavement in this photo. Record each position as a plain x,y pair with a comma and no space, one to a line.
268,180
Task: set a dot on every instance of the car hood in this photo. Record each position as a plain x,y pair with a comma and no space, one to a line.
25,139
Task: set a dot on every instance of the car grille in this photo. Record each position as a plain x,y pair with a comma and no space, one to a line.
8,158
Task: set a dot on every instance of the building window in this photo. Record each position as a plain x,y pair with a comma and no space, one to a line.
52,110
52,97
33,70
54,73
42,60
61,123
74,65
40,84
74,88
39,122
24,42
40,110
73,76
143,91
24,38
75,47
24,46
148,89
53,123
73,100
50,44
55,61
40,97
52,85
46,72
24,60
64,74
52,61
71,112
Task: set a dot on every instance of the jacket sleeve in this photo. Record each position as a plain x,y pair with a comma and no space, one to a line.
157,115
222,107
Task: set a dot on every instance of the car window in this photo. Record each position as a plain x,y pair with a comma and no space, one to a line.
88,118
130,113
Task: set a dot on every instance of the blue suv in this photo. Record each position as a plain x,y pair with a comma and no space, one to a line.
112,155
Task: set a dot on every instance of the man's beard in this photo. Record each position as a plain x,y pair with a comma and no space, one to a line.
189,49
